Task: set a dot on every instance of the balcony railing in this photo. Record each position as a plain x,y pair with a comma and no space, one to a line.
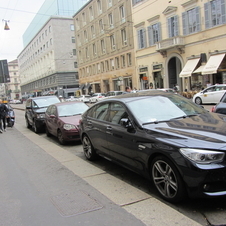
169,43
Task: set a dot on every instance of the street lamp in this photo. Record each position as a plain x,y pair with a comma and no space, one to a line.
6,24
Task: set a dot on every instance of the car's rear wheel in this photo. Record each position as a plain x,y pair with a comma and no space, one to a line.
88,149
60,137
167,179
198,100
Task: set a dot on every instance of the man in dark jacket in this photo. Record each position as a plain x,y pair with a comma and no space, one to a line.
3,113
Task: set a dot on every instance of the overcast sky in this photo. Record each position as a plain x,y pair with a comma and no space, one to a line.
20,14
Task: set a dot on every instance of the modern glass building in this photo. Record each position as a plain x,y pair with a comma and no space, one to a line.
49,8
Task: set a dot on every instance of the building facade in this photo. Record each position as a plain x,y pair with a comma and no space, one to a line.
48,64
105,46
180,43
13,87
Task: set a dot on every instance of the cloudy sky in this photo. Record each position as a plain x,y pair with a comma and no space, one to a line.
19,13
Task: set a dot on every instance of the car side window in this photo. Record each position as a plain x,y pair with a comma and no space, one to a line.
54,110
34,105
116,113
101,112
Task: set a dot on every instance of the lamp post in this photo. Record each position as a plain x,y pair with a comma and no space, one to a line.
6,27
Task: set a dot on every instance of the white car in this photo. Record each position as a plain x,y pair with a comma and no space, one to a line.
96,97
84,98
210,95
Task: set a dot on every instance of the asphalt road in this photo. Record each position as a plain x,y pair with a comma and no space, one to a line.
203,211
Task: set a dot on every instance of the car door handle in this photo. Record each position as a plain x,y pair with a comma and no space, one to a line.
109,130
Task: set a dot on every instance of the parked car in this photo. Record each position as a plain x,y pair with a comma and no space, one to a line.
62,120
210,95
35,109
169,139
96,97
113,94
221,106
84,98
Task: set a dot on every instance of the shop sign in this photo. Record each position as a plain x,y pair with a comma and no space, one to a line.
157,67
143,69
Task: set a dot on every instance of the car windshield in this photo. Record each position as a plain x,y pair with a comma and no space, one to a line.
46,102
154,109
71,109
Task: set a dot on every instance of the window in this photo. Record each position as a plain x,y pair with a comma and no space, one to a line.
173,26
154,34
101,26
112,64
74,52
84,18
123,62
75,64
72,27
129,59
110,20
117,62
73,39
136,1
215,13
77,23
50,29
116,113
124,37
102,66
94,50
109,3
87,53
99,6
122,13
191,21
102,46
85,36
112,40
91,12
141,34
107,65
92,31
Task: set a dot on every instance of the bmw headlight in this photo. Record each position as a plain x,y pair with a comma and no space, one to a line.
69,126
40,115
202,156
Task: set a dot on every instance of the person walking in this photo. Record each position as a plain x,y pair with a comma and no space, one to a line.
3,113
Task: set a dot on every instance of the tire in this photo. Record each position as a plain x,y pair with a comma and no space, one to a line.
88,149
35,127
27,123
167,179
60,137
198,100
48,134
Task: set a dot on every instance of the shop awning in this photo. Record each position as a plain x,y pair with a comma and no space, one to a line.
212,64
199,69
189,67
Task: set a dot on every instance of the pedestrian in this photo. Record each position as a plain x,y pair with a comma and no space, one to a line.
128,89
3,114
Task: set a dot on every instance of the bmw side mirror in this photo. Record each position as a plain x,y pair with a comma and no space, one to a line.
125,122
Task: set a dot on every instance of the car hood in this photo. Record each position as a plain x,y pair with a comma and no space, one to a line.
204,131
40,110
74,120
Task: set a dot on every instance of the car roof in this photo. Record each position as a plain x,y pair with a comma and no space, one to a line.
128,96
42,97
68,103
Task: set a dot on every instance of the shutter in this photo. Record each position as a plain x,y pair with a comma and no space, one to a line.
159,32
176,26
207,16
184,20
144,36
138,39
169,28
197,10
150,36
223,13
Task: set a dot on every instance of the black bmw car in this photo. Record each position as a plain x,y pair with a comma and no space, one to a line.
178,145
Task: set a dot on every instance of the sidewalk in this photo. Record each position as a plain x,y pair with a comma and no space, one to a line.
149,210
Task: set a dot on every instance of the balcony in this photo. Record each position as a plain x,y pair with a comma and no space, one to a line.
166,44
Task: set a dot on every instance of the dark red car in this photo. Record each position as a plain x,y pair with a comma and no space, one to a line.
62,120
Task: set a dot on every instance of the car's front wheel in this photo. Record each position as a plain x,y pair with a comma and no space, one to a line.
60,137
198,100
88,149
167,179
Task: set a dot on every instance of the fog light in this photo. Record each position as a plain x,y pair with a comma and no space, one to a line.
206,187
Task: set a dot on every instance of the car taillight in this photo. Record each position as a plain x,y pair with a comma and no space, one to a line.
213,109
